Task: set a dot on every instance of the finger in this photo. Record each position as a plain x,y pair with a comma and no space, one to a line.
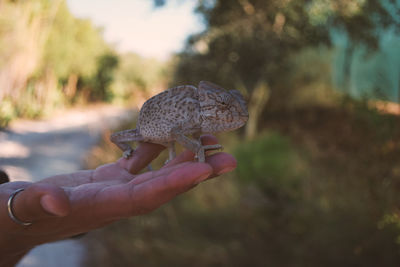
221,163
40,201
188,155
150,195
155,174
142,156
134,199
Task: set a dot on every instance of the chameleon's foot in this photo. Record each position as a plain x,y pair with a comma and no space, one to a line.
200,155
127,153
212,147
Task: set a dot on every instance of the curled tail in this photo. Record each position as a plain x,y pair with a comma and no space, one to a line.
131,135
122,138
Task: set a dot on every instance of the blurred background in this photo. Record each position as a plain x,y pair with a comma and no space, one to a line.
318,161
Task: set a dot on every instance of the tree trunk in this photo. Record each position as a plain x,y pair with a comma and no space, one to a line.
398,91
258,99
348,60
70,88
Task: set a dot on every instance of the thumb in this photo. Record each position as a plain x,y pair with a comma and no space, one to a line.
40,201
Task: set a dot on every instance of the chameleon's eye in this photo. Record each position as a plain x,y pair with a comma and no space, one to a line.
226,100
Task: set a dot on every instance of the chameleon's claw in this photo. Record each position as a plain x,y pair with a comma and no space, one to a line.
213,147
127,153
200,155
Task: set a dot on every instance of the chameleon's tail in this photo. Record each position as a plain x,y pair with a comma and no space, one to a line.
121,139
127,136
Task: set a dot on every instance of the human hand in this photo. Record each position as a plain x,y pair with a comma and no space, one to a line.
65,205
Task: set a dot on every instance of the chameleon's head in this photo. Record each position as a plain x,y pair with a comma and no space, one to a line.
221,110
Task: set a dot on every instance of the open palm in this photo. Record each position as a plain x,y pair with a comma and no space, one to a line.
69,204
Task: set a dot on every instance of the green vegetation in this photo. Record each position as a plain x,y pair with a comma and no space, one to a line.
308,197
138,78
57,60
250,45
278,169
51,52
318,176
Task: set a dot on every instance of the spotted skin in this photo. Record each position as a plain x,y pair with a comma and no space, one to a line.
186,110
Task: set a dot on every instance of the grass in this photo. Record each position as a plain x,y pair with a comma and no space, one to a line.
319,187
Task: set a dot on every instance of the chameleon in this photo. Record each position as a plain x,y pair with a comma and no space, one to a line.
176,113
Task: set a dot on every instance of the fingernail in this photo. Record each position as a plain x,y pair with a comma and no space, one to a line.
225,170
48,204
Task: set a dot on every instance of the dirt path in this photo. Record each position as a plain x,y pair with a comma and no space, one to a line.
33,150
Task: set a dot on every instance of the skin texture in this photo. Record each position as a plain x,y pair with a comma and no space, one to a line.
65,205
186,110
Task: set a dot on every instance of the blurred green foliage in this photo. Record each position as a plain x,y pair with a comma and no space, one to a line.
272,172
7,112
138,78
250,44
309,197
103,78
318,183
77,43
57,60
316,186
51,52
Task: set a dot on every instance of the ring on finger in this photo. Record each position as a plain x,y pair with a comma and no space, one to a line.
11,211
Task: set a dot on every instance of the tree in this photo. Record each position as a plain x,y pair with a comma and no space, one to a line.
43,56
21,42
73,45
100,89
360,20
72,50
246,45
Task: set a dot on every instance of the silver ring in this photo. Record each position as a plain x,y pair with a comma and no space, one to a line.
10,209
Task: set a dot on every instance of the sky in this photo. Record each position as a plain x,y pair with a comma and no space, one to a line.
136,26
